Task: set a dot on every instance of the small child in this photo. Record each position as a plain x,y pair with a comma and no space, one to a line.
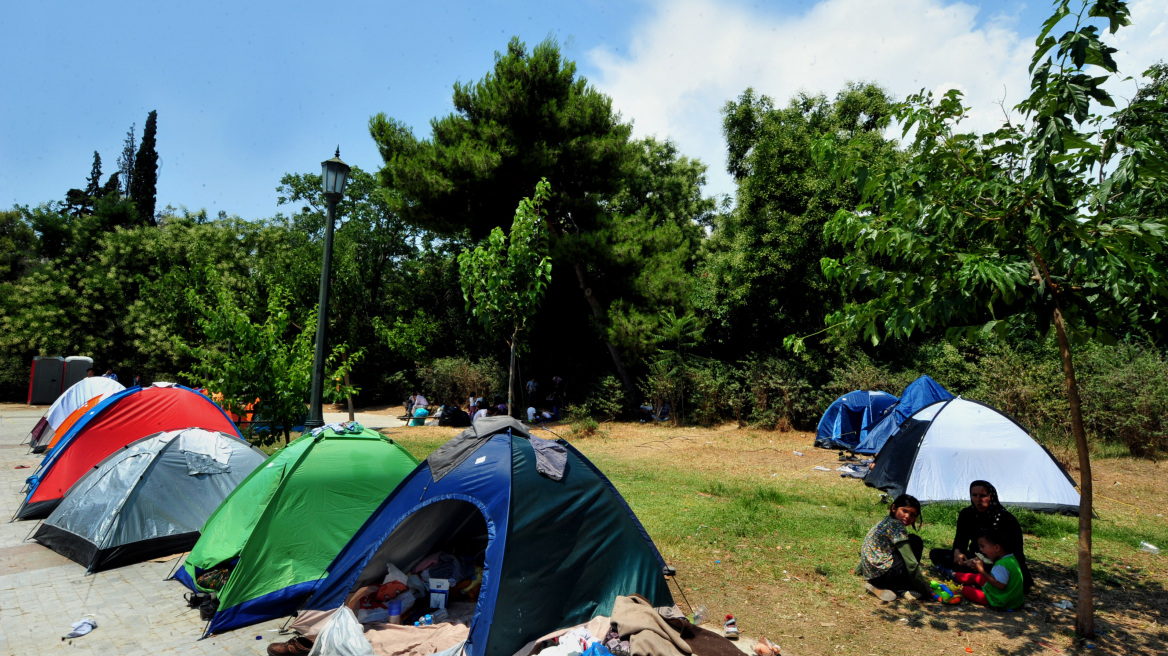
1001,586
890,556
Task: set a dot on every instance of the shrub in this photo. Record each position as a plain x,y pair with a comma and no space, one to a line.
781,394
457,378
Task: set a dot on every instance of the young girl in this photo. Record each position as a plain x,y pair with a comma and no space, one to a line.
890,557
1001,586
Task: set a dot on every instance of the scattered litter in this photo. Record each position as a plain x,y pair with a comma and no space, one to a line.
81,627
259,637
904,619
798,453
1064,604
1149,548
717,562
969,650
820,468
21,467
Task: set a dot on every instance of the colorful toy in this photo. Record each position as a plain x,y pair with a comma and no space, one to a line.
943,594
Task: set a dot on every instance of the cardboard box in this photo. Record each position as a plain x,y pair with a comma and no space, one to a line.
439,590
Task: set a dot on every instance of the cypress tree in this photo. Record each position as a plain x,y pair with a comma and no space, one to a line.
143,185
93,186
126,161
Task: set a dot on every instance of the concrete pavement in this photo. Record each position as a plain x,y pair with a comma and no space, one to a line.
138,612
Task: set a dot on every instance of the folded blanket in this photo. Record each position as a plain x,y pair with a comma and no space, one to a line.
648,633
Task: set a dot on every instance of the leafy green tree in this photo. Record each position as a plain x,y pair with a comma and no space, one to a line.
265,366
16,245
531,118
504,279
144,180
761,279
1029,221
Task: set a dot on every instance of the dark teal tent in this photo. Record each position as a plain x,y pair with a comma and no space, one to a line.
559,542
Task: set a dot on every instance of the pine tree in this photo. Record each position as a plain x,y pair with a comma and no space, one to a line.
126,161
145,177
93,186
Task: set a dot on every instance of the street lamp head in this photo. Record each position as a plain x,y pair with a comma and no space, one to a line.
335,173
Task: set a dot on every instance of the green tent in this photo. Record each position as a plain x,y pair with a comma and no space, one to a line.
279,530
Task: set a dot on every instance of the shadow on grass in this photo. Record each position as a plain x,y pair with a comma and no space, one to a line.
1129,617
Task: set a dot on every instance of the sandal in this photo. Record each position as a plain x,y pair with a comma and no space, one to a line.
297,645
882,595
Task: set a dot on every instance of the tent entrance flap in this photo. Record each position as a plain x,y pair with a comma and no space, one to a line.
452,526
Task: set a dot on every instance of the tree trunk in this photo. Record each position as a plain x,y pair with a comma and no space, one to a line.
598,312
1085,620
349,398
511,375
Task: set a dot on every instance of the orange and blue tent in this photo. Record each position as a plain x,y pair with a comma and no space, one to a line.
122,418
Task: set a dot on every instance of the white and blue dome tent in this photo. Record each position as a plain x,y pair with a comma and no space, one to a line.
949,444
918,394
74,397
846,421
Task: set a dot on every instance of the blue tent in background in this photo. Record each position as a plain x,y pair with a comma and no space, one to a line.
919,393
846,421
560,544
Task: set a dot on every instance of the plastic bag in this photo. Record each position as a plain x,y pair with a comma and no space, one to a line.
342,636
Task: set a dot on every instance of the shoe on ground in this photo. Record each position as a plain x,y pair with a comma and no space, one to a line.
912,595
731,628
297,645
882,595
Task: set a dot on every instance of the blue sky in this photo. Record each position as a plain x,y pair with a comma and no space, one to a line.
246,91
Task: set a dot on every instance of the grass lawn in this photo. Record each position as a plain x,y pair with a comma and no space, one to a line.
755,531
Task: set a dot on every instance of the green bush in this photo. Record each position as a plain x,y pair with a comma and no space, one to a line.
1125,397
456,379
781,394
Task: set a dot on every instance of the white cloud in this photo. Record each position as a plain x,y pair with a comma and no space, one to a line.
691,56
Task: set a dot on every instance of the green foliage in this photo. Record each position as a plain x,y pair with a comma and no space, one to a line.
530,118
454,379
760,279
605,400
504,279
972,229
268,363
144,183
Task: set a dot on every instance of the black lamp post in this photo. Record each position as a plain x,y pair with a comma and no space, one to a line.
334,173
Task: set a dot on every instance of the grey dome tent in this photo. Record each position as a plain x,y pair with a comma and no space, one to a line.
148,499
945,446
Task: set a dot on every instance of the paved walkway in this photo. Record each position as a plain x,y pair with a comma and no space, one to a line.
138,612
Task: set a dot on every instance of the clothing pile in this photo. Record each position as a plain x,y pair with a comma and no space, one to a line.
636,628
413,595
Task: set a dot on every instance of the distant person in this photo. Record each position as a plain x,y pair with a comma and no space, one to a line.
89,372
415,401
531,414
480,413
137,381
109,373
532,389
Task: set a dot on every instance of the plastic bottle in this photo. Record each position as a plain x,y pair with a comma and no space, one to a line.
394,608
699,614
1148,547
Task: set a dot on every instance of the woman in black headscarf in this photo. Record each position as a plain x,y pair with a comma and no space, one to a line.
985,514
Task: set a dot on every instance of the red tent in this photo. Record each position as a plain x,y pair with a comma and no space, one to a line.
112,424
